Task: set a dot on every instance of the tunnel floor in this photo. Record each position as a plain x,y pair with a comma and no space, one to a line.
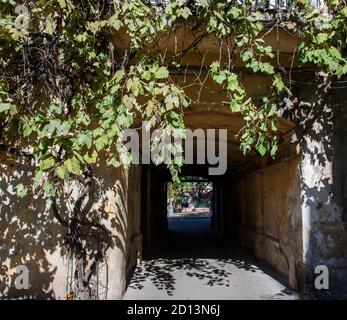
197,225
202,265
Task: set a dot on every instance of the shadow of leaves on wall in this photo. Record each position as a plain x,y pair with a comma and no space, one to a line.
30,236
322,140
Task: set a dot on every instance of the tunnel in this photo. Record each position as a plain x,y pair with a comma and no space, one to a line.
254,228
257,200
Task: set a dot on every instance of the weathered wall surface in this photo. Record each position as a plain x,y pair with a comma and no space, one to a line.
265,215
339,189
134,235
30,236
323,184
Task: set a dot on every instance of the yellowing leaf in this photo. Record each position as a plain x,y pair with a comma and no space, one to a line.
50,27
161,73
62,172
48,163
62,4
73,165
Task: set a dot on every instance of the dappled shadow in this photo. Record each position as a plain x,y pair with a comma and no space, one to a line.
165,274
322,136
207,258
30,236
284,294
161,272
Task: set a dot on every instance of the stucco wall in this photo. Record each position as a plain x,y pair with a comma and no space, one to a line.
30,236
323,178
265,211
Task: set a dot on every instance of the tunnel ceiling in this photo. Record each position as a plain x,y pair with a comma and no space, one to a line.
209,107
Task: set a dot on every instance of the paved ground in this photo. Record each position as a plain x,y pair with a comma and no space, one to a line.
200,265
191,225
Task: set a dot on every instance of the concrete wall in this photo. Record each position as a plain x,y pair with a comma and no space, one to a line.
30,236
265,215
